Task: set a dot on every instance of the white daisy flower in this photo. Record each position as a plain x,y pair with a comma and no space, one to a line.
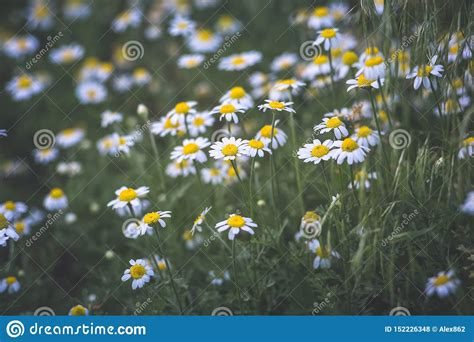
77,10
324,254
140,272
78,310
328,37
90,92
349,60
183,168
467,148
67,54
219,280
319,66
199,122
9,284
109,117
421,74
23,87
320,17
129,18
20,46
70,137
13,210
3,133
7,230
443,284
362,82
256,147
284,61
289,84
191,149
334,125
235,224
181,26
238,97
362,179
180,110
240,61
316,151
226,24
468,205
203,41
164,126
139,208
155,217
228,148
40,16
123,83
370,52
141,76
190,61
277,105
228,111
126,196
55,200
46,155
278,138
200,220
373,68
350,150
214,175
70,169
366,136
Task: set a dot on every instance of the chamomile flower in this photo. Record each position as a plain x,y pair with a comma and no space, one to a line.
422,73
214,175
370,52
190,61
316,151
468,206
274,138
78,310
363,179
199,122
55,200
70,137
328,37
126,196
180,110
191,149
181,26
9,284
365,83
7,229
228,111
122,83
320,18
20,46
192,241
236,224
13,210
289,84
77,9
141,76
109,117
283,62
256,147
319,66
226,24
228,148
203,40
372,68
153,218
200,220
218,280
443,284
128,18
334,125
240,61
349,59
311,224
467,148
277,106
67,54
237,96
164,127
3,133
90,92
350,150
140,272
40,16
324,254
183,168
366,136
24,86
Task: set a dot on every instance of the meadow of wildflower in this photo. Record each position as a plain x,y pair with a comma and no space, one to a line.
221,157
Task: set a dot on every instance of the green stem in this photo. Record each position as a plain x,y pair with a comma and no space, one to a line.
157,160
235,275
296,164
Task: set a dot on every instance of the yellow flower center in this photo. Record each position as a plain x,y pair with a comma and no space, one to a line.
276,105
238,60
204,35
91,93
68,56
364,132
468,141
372,50
78,310
441,280
424,71
20,227
323,59
182,25
3,221
311,216
161,265
151,218
140,72
227,109
10,205
237,93
322,252
137,271
328,33
11,280
230,150
127,195
236,221
215,172
333,122
336,52
254,143
169,125
41,11
191,62
454,49
56,193
361,175
187,235
349,145
288,81
182,108
24,82
198,121
363,82
373,61
319,151
321,11
266,131
190,148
